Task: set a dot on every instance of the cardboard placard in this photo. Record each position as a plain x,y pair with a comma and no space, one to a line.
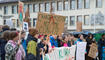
93,50
79,26
50,24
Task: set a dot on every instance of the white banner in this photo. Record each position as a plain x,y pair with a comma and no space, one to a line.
81,50
63,53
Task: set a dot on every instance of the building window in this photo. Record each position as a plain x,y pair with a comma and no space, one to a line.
30,8
59,6
0,8
25,8
30,22
5,9
4,22
72,20
35,8
98,3
41,7
47,7
53,4
79,4
66,21
34,22
72,4
86,20
87,3
79,18
66,5
14,9
17,8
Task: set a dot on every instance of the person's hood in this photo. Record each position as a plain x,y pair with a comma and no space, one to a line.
52,38
30,37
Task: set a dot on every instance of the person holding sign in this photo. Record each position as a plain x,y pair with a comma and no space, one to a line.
42,48
89,41
80,39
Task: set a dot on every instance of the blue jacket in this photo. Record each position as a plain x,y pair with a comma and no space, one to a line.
101,46
53,41
24,45
2,48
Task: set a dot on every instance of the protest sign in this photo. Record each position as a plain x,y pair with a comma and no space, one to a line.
79,26
25,26
63,53
50,24
81,50
93,50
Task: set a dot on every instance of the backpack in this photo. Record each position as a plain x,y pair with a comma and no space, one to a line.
31,47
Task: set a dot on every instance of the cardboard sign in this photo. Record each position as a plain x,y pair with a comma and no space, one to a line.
25,26
79,26
93,50
50,24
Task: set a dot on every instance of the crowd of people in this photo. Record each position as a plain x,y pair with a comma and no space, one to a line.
16,45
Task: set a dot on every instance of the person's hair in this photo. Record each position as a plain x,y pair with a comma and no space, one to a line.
80,35
6,35
33,31
13,29
5,27
22,32
13,34
90,35
70,34
103,35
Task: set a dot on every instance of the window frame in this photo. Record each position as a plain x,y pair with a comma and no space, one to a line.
58,7
5,10
97,6
72,20
71,5
86,21
65,5
78,7
85,2
47,7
